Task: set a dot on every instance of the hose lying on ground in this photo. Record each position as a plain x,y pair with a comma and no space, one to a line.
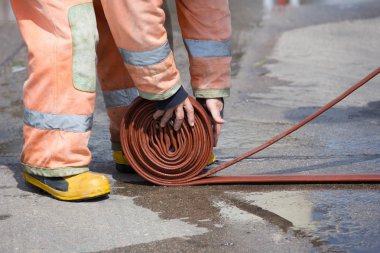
166,157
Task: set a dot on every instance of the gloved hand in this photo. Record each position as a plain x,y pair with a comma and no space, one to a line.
179,111
166,109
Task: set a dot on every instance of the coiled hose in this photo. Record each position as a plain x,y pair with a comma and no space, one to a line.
166,157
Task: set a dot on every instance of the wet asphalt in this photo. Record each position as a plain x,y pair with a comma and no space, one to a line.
287,62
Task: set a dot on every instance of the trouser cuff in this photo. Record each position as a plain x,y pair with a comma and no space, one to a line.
56,172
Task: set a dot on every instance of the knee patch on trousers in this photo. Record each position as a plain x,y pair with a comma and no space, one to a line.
85,38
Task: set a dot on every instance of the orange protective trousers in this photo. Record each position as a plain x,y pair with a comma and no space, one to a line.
123,45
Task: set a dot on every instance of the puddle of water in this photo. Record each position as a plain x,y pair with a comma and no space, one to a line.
333,220
347,220
293,206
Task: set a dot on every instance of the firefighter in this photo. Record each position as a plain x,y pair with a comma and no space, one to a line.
124,45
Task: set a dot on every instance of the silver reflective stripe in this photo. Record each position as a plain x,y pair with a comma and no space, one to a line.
146,58
118,98
208,48
64,122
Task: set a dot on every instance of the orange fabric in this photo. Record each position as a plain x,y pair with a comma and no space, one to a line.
49,88
207,20
45,28
112,73
210,73
204,20
55,149
138,26
116,115
157,78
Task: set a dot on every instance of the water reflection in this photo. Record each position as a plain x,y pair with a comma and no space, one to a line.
270,4
6,13
295,207
344,220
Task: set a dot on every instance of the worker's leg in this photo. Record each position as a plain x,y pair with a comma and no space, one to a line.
59,94
116,84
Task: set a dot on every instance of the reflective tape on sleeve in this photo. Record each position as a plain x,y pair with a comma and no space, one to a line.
118,98
64,122
208,48
146,58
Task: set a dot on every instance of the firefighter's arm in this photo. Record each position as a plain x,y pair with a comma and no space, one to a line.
206,30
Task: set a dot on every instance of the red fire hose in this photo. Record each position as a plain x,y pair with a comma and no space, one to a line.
166,157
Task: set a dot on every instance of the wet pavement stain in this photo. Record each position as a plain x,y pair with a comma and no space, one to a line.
338,114
4,216
269,216
323,205
277,220
5,187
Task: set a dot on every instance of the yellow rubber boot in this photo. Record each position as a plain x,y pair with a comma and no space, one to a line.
77,187
121,163
123,166
212,159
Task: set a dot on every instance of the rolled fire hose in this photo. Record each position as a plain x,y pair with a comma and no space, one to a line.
166,157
